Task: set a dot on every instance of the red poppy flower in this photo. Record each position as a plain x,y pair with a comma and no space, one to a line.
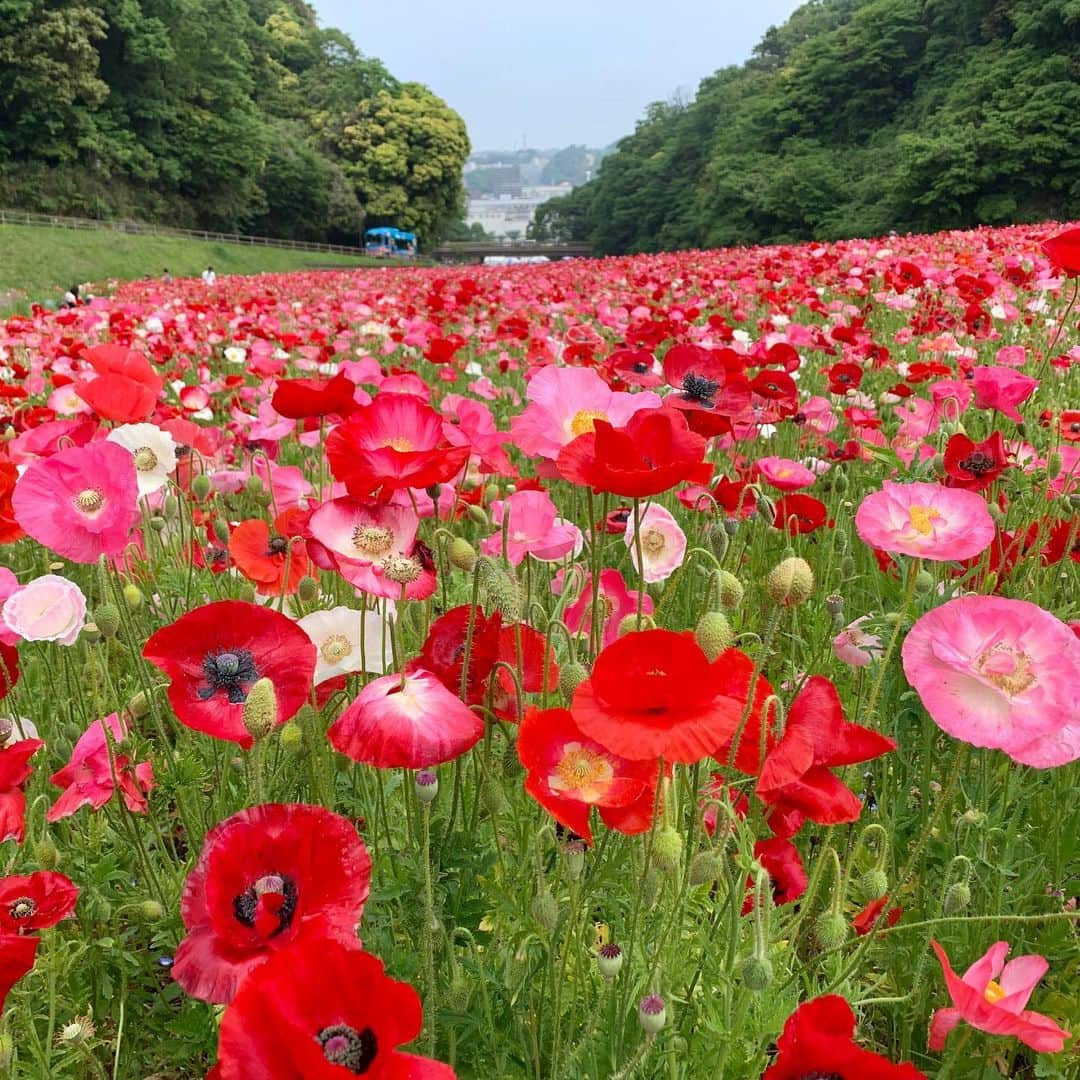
17,952
266,877
214,654
1068,425
9,668
323,1011
843,377
126,387
777,389
787,875
10,529
1064,540
798,514
1063,251
654,693
710,385
443,654
267,558
654,451
795,779
973,465
634,367
395,442
870,916
297,399
817,1041
36,901
15,770
569,773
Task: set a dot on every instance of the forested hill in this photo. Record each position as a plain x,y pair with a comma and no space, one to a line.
225,114
853,118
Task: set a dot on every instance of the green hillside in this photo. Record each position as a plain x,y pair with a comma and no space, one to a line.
853,118
40,263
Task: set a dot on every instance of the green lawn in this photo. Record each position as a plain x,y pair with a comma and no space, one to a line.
38,263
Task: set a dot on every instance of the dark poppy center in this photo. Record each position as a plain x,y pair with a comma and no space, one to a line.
233,672
821,1076
277,545
23,907
640,368
345,1046
268,905
1074,427
977,462
698,388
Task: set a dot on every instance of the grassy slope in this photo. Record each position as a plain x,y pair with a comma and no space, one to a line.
40,263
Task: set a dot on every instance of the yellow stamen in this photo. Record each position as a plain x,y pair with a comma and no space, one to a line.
584,421
994,992
922,518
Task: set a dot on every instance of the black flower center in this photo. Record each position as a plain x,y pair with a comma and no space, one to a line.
698,388
821,1076
268,905
640,368
233,672
277,545
345,1046
23,907
977,462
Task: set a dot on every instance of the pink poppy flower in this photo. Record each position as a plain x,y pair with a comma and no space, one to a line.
856,646
928,521
991,997
410,725
81,502
1002,388
373,547
9,585
999,673
663,543
49,608
565,403
615,603
90,778
533,529
785,474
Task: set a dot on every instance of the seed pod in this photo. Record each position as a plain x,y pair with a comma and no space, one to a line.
609,960
652,1014
834,604
426,785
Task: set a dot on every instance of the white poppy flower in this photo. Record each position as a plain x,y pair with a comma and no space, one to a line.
337,636
154,452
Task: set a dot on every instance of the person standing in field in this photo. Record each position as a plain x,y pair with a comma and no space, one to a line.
166,276
209,277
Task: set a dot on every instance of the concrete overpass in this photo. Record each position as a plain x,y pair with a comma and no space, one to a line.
478,250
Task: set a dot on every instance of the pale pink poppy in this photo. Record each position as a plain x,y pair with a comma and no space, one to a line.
49,608
999,673
663,543
928,521
785,474
991,997
9,584
533,529
565,403
856,646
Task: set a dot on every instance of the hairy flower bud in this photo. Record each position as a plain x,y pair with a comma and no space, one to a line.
957,897
200,487
221,530
307,589
133,596
459,996
292,737
138,706
667,849
571,676
630,624
495,800
731,590
107,618
260,709
756,972
714,634
874,884
790,582
151,910
46,855
705,866
545,909
477,516
830,930
462,554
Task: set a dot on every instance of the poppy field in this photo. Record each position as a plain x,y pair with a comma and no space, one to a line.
334,604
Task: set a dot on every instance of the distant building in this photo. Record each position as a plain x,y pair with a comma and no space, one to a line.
506,215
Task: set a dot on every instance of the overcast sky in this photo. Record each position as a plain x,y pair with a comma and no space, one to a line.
554,72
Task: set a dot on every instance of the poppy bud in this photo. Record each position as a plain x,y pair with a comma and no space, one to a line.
157,524
766,509
504,593
221,530
254,485
511,763
491,493
545,909
494,797
307,589
731,590
262,498
790,582
458,996
609,960
731,526
426,785
107,618
151,910
170,506
667,849
847,567
924,582
571,676
830,929
477,516
652,1014
630,624
46,855
246,592
705,866
874,884
292,737
714,634
995,512
756,972
462,554
957,897
200,486
133,596
260,709
1054,464
138,706
90,633
650,887
839,480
